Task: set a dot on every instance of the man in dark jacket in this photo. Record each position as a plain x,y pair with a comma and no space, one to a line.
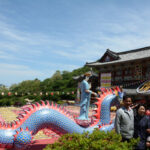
140,127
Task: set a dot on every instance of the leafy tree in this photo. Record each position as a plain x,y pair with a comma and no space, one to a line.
66,75
3,88
46,85
28,86
56,76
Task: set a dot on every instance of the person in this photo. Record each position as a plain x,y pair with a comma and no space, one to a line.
148,138
85,97
121,93
141,127
99,92
124,120
148,130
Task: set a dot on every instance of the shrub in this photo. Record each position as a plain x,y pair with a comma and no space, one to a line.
98,140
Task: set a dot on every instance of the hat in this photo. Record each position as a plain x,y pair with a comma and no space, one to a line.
88,73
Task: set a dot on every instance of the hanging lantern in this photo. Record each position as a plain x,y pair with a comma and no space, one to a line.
2,93
16,93
9,93
72,92
46,93
52,93
41,93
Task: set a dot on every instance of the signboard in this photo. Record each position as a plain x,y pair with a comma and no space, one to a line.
105,79
138,72
144,87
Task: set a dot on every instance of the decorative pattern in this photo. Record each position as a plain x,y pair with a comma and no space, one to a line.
105,79
144,87
138,72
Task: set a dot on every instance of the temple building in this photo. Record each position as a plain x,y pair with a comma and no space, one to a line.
129,69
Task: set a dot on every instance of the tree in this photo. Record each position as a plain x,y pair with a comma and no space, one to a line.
56,76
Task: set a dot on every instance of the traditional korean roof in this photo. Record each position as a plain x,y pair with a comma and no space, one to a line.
122,57
114,55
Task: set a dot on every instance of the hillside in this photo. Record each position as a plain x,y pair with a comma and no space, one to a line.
53,88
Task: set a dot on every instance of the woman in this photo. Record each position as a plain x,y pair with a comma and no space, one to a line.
85,97
140,127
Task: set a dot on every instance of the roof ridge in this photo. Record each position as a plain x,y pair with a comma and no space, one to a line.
112,53
108,50
134,50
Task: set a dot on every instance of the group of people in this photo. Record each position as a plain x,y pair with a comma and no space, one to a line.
132,122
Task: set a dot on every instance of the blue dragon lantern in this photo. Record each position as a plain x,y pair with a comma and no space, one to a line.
19,134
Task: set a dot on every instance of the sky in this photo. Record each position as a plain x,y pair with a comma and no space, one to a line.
38,37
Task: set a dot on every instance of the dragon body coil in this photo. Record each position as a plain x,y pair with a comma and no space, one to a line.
19,134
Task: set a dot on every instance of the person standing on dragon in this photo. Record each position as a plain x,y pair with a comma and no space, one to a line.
85,97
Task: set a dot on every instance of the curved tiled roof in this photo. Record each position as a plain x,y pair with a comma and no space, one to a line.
131,55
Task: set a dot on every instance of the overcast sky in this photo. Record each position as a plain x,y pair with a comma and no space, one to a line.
38,37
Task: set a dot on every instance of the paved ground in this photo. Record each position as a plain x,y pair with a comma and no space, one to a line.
38,144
